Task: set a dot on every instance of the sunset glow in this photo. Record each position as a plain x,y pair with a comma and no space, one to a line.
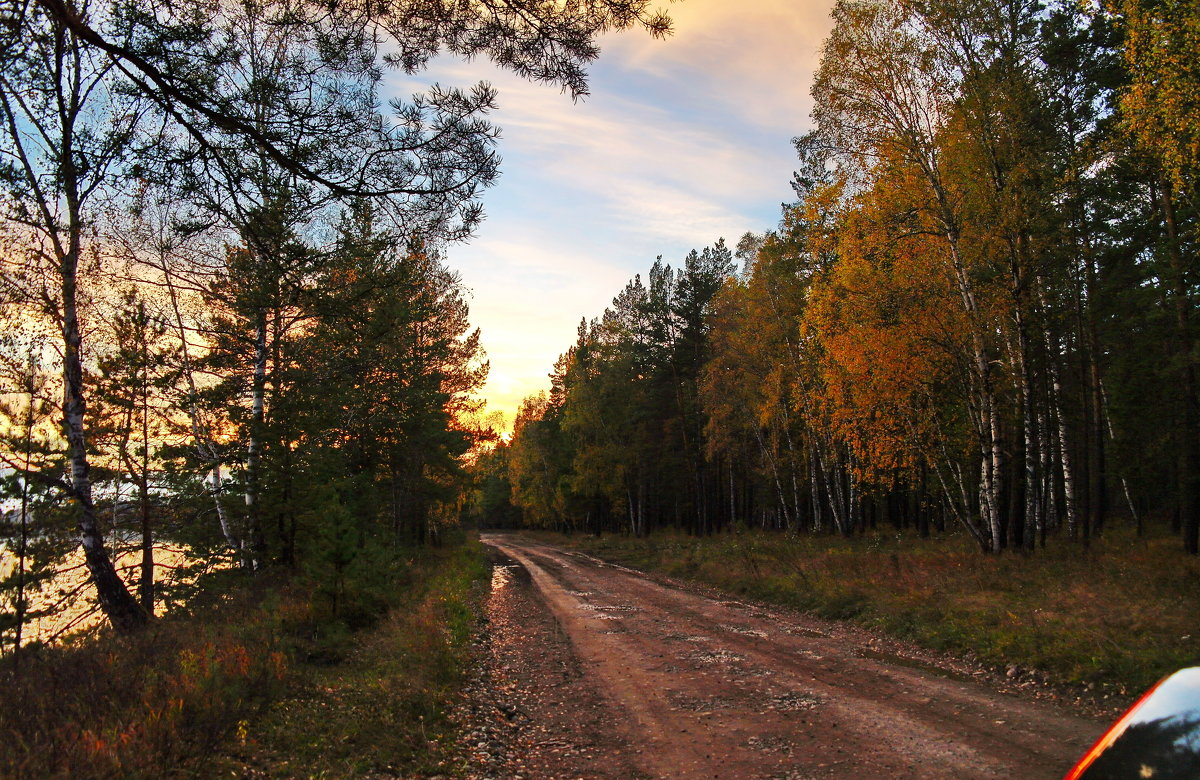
681,142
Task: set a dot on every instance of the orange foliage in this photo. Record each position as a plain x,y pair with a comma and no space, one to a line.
209,685
892,332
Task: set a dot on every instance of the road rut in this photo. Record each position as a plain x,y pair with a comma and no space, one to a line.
719,688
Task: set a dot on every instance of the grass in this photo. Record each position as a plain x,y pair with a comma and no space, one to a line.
136,706
1120,614
381,708
268,679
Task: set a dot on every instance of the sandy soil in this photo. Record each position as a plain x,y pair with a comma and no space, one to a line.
596,671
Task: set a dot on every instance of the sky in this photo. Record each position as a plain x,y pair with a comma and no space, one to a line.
682,141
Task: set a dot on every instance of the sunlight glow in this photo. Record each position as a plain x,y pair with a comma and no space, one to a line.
681,142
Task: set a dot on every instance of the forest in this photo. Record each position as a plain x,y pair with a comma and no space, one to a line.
231,341
242,434
977,316
237,374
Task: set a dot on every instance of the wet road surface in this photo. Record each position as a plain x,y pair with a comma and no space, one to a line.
639,678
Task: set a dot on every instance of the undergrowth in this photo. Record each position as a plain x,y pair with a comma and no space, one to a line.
271,675
1120,614
376,704
135,706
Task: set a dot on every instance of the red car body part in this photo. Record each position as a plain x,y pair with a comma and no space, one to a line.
1158,737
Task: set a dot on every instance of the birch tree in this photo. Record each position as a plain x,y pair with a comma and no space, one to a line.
882,89
66,131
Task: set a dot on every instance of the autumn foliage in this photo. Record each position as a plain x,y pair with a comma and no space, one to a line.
977,314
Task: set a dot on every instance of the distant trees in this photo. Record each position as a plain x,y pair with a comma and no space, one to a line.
979,311
619,441
29,528
131,411
1160,111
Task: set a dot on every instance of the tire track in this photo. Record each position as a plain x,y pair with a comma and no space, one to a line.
718,688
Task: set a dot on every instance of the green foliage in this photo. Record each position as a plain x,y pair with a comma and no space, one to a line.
618,442
489,500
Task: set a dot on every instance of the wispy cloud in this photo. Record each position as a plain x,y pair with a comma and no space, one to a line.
756,57
681,142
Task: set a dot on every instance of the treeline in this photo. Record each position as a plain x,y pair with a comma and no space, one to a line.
978,313
227,327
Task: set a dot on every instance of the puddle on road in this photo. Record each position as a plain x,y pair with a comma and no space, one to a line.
502,575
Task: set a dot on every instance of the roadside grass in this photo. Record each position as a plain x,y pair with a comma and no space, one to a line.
1120,614
378,703
137,706
267,679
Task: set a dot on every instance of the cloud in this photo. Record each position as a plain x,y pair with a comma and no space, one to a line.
528,295
681,142
756,56
640,166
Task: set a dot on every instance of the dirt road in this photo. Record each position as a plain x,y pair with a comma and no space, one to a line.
627,677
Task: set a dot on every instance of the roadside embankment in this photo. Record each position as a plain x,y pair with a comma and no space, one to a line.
285,674
378,702
1114,617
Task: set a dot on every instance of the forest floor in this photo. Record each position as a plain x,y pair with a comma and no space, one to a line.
593,670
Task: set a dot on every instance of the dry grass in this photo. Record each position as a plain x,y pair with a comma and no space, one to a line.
1121,614
380,709
141,705
266,681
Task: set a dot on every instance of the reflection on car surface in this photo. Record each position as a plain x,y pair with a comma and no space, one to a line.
1158,737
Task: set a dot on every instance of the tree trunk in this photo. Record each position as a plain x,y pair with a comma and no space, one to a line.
1189,449
988,418
770,457
1032,492
146,583
1060,423
818,521
23,539
258,543
1108,426
118,605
